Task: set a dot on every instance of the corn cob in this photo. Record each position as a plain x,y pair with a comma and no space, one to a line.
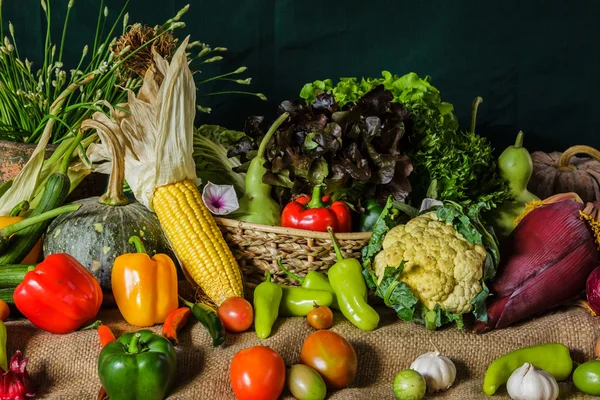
197,241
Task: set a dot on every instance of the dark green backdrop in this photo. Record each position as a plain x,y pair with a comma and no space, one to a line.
534,62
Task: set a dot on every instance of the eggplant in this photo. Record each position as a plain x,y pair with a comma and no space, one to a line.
549,256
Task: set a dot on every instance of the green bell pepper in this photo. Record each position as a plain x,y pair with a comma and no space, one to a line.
267,297
298,301
351,290
137,366
312,280
370,216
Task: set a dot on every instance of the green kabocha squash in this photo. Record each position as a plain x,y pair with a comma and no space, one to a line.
99,231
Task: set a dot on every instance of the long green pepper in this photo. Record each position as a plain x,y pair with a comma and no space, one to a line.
312,280
298,301
553,358
350,289
267,297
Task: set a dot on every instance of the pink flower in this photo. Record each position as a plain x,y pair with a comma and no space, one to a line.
15,383
220,199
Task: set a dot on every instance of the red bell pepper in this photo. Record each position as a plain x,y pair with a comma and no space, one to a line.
317,213
59,295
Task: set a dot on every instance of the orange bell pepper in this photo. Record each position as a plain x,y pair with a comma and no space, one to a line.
35,254
144,288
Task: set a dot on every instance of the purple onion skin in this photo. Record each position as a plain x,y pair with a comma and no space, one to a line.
549,257
592,290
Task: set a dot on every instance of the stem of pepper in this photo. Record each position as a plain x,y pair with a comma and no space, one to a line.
19,208
315,201
134,345
288,273
137,242
338,253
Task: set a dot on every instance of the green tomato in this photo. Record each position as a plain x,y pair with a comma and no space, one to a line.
409,385
305,383
587,377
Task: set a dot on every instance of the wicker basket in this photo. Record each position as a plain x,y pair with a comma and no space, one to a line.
257,248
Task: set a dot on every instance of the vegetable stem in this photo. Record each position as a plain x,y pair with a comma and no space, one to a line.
137,242
13,228
289,273
19,208
338,253
519,140
478,100
134,345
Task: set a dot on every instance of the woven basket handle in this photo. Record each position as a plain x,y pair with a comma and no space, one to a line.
564,163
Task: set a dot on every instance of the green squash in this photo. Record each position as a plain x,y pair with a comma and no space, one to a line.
99,231
96,234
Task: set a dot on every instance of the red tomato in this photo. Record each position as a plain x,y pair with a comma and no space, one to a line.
320,317
332,356
236,313
257,373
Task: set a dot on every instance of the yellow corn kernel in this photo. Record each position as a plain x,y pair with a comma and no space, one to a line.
197,241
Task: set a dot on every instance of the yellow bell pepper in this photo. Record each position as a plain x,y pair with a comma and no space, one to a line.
144,288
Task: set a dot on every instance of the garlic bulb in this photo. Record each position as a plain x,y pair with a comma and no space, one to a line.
439,371
529,383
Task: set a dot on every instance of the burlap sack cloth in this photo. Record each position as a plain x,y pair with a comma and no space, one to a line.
64,366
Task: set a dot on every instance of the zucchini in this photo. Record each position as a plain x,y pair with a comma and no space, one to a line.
55,193
7,295
12,275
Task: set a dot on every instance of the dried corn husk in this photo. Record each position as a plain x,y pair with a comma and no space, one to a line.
159,131
548,258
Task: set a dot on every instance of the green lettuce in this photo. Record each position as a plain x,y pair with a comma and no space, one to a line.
456,162
211,144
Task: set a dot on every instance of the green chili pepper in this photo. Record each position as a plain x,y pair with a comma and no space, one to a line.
298,301
267,297
347,281
370,216
313,280
3,358
138,366
209,319
553,358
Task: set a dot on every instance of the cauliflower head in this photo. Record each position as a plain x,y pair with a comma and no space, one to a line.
441,267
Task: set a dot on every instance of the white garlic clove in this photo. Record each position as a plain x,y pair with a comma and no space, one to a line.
439,371
529,383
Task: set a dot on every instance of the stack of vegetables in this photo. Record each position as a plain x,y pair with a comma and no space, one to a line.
381,155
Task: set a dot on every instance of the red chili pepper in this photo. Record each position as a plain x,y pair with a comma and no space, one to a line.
317,214
106,335
59,295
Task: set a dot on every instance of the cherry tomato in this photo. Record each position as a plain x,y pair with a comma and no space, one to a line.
257,373
320,317
4,310
332,356
236,313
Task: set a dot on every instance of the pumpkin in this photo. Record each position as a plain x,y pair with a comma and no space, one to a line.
99,231
562,173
